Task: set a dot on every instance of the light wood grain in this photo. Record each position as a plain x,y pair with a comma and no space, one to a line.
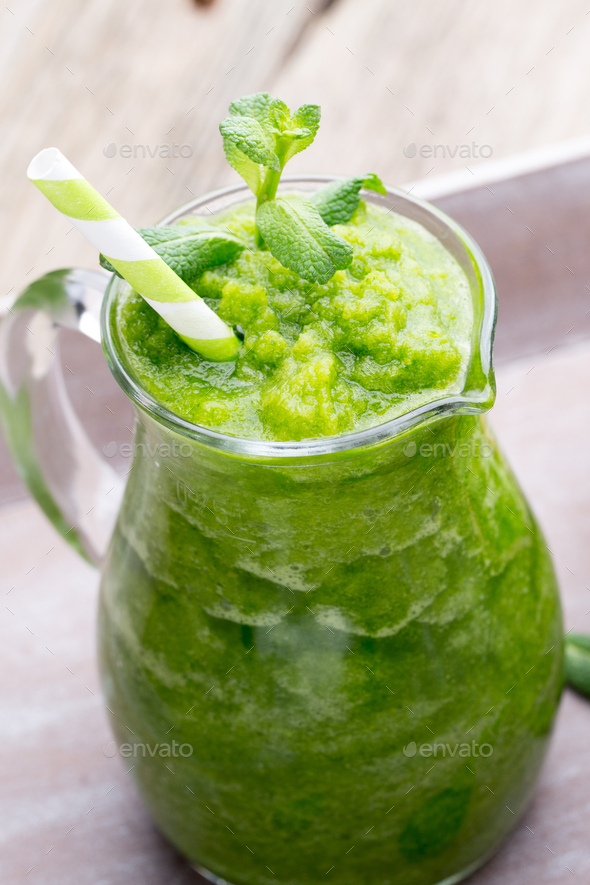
430,73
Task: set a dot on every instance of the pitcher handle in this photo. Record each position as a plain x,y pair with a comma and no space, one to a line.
76,488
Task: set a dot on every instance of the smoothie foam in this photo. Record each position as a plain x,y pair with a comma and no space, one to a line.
387,334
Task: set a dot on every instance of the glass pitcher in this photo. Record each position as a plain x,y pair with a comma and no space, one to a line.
335,659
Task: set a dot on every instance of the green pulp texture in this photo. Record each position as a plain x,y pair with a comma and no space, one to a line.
298,626
388,334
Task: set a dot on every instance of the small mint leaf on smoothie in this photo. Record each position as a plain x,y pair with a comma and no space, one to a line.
297,236
338,201
189,249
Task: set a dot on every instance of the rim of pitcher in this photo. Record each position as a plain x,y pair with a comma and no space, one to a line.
476,397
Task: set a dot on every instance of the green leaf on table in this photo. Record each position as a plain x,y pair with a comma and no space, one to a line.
261,135
338,201
189,249
577,662
297,236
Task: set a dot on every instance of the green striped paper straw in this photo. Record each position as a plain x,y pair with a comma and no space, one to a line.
136,261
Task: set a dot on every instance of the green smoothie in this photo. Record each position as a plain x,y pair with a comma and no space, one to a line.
340,667
298,627
387,334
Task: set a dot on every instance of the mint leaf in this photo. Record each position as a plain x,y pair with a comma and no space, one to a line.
298,237
256,106
261,135
107,265
338,201
251,138
295,132
248,140
252,173
245,155
189,249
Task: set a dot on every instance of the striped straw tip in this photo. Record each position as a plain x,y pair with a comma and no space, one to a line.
179,306
51,165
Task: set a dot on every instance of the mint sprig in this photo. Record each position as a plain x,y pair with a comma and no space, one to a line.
189,248
260,136
338,201
297,236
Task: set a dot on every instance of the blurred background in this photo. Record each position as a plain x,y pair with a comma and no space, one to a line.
483,80
481,106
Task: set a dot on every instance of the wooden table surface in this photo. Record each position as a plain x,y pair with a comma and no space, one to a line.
511,74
